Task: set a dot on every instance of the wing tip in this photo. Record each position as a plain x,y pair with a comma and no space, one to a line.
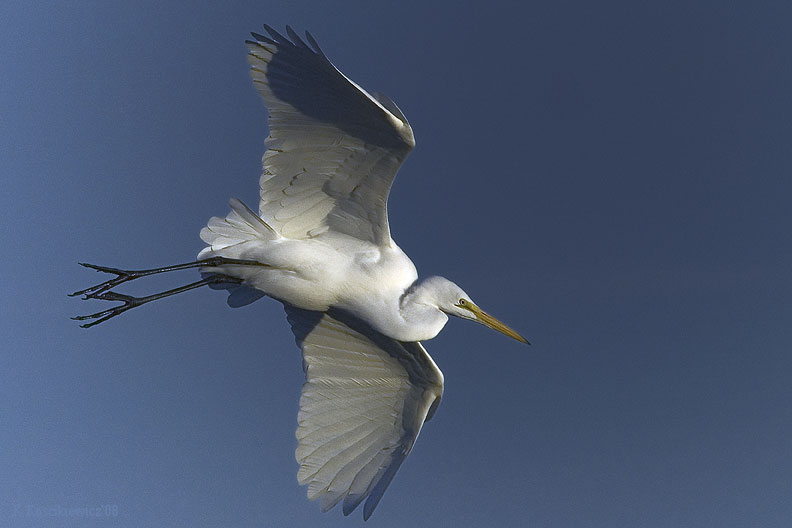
261,39
293,40
313,44
277,37
351,502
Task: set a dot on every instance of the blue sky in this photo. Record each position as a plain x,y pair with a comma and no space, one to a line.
610,178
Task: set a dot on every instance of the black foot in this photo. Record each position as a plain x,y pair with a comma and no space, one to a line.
128,300
94,292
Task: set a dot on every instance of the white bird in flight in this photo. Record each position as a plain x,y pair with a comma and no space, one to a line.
321,245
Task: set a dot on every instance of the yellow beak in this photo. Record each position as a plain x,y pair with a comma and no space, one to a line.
489,321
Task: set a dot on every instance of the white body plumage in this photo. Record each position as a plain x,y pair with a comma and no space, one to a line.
329,270
320,243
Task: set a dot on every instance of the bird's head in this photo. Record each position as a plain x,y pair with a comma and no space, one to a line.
453,300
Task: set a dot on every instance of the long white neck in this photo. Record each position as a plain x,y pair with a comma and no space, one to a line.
419,310
410,315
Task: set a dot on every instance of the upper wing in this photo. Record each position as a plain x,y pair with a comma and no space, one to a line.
333,149
363,403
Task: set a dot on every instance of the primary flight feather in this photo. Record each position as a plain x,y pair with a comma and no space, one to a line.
321,245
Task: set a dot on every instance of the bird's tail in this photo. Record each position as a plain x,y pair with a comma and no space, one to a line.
231,237
240,226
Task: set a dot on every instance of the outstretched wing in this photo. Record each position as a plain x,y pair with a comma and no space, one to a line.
333,149
363,403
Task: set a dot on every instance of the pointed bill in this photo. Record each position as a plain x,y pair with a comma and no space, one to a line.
489,321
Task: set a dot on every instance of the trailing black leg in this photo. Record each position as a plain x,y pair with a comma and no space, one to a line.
130,302
123,276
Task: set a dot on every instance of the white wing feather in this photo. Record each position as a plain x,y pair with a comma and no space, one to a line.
363,403
333,149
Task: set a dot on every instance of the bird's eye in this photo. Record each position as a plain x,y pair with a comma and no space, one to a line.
462,302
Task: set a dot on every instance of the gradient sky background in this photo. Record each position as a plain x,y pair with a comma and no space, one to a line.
613,179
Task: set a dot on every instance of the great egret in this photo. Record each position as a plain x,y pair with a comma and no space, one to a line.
321,245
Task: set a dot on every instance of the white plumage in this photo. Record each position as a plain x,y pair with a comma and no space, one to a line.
321,245
363,403
333,149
